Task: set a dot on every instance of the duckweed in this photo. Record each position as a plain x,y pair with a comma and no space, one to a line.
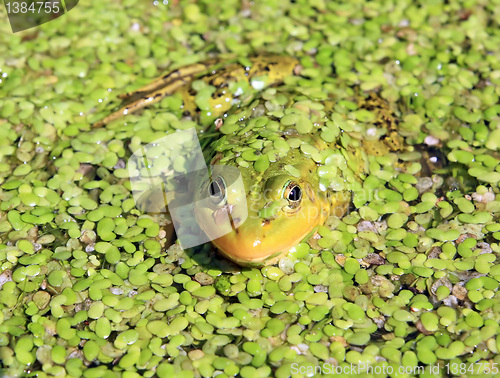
91,286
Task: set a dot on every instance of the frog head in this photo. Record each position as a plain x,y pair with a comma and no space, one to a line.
265,214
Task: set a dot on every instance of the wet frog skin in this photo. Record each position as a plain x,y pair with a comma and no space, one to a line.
301,160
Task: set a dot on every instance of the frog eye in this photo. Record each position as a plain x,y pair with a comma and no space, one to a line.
217,190
293,194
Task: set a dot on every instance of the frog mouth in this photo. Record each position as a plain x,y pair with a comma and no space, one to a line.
254,250
256,242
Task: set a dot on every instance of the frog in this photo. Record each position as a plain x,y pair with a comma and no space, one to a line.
299,156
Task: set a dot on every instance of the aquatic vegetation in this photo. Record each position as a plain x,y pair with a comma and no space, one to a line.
91,286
